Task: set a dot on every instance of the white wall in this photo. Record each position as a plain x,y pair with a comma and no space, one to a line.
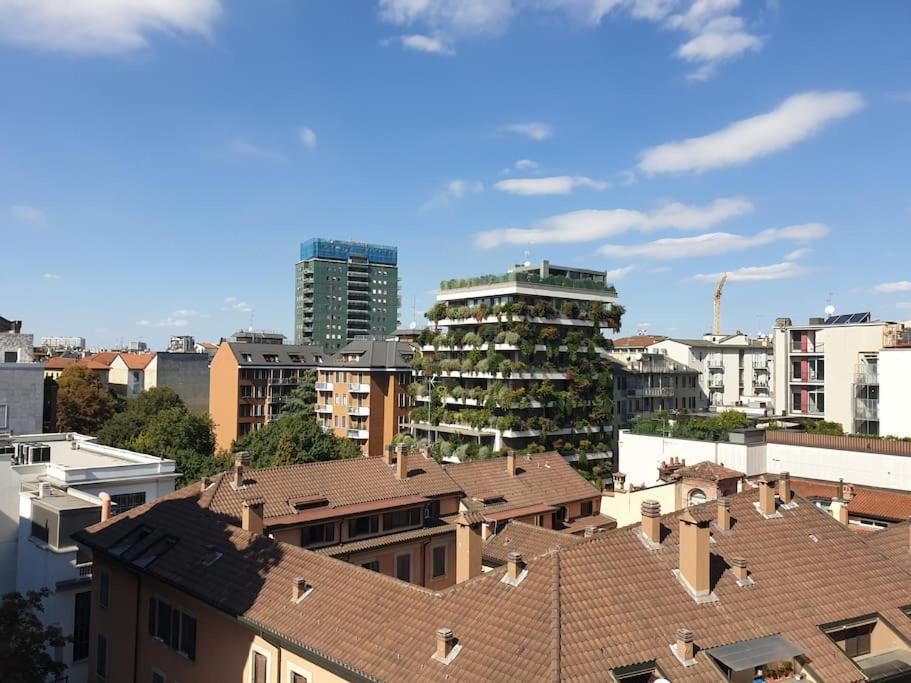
843,346
626,506
895,392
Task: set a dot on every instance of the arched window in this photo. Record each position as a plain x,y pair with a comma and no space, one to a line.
697,496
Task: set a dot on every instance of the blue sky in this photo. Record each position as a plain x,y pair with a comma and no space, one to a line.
161,161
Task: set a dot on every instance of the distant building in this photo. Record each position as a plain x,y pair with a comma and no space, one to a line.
362,392
186,373
636,344
58,344
51,486
735,370
21,381
829,369
249,381
345,290
127,373
182,344
649,383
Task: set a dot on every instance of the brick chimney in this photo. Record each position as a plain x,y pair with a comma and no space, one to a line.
739,567
839,510
694,554
766,498
388,453
723,515
299,589
425,451
252,518
619,481
445,644
241,462
685,645
204,484
514,566
590,531
511,462
468,550
651,520
105,505
401,461
784,488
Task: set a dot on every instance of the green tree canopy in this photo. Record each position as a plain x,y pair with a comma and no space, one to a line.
24,640
295,437
123,428
83,403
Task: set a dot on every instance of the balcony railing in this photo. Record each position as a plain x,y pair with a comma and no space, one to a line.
866,409
533,278
714,361
655,392
760,364
323,386
324,408
357,433
716,383
358,388
866,374
813,347
359,411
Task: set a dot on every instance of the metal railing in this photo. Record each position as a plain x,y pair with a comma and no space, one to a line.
866,409
866,373
532,278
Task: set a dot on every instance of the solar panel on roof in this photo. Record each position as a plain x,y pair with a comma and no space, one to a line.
860,318
843,319
831,320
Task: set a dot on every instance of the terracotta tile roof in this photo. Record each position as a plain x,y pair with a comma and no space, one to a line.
137,361
581,611
637,341
433,530
895,543
531,541
707,471
542,478
343,483
579,524
525,511
884,504
59,363
106,357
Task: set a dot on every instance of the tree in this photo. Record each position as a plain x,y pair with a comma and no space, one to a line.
123,428
24,640
83,404
294,437
302,398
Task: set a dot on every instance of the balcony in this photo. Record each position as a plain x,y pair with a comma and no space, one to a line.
323,386
357,433
324,408
358,388
716,383
761,365
359,411
811,378
866,409
714,361
651,392
866,373
817,348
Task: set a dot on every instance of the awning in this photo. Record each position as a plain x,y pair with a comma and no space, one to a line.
749,654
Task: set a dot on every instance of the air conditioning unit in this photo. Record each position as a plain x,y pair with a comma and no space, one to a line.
31,453
8,449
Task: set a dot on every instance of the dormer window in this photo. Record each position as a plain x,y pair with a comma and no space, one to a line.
247,357
270,357
131,539
307,502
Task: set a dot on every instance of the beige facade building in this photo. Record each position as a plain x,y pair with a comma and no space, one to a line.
362,392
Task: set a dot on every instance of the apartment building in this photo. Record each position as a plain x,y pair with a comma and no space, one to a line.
344,290
636,344
828,369
362,392
62,344
52,485
505,348
649,383
187,373
701,595
21,381
250,379
736,371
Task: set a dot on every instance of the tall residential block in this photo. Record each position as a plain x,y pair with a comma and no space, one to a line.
345,290
518,359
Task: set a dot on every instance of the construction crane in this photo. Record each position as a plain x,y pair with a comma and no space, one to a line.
716,299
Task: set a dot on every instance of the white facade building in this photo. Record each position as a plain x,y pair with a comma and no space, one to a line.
736,371
63,343
49,488
21,383
894,376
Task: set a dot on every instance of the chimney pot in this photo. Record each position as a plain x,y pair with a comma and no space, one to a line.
105,505
694,554
724,514
766,498
590,531
739,566
299,588
401,462
425,450
511,462
619,481
252,518
685,644
388,453
468,551
204,484
44,489
445,643
784,488
651,520
514,566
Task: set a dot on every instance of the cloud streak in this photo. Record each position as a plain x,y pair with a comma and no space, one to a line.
553,185
28,214
794,120
456,189
534,130
714,243
893,287
232,303
776,271
592,224
307,136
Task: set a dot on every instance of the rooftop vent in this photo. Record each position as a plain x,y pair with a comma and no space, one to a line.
298,503
447,646
300,589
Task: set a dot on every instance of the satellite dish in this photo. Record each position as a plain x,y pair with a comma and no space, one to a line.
527,264
830,310
413,325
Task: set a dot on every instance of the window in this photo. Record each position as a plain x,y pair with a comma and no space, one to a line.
438,562
317,533
539,520
4,416
296,677
81,621
127,501
857,640
173,627
101,657
104,588
361,526
587,508
401,518
131,539
432,509
260,667
39,531
10,356
403,567
372,565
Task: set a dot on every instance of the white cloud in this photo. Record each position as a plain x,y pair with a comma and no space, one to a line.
563,184
591,224
454,190
533,131
232,303
716,35
903,304
776,271
714,243
307,137
422,43
243,148
28,214
794,120
459,18
619,273
179,318
797,254
102,26
527,165
893,287
51,276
